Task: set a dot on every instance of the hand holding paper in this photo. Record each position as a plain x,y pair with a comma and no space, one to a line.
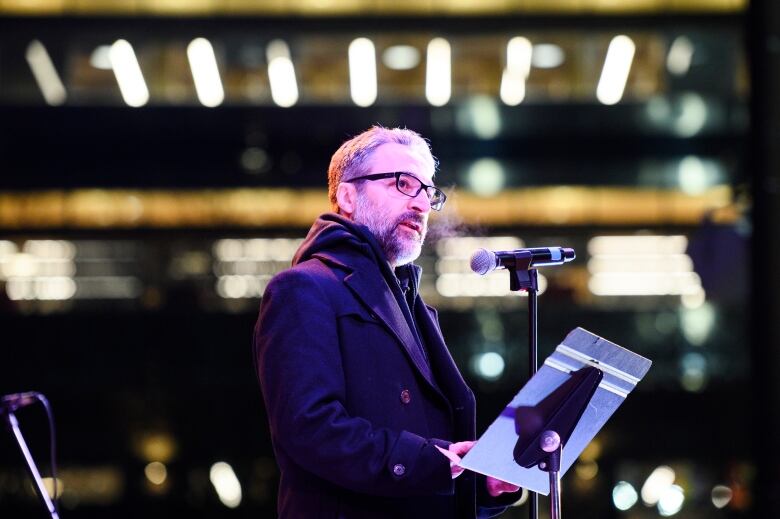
454,454
496,487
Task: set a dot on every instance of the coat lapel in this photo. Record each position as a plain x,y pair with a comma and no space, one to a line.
370,288
458,393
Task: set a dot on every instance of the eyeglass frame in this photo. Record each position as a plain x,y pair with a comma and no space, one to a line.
397,175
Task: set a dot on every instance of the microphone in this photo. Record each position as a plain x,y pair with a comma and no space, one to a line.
14,401
484,261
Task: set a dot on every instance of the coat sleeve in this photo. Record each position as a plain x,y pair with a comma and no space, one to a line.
298,362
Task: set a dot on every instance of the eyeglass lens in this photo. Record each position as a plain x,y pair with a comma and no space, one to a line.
411,186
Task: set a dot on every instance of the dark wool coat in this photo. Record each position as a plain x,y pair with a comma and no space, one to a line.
355,410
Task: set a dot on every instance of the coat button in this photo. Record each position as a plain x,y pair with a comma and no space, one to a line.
399,470
406,396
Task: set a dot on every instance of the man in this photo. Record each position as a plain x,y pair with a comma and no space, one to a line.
369,415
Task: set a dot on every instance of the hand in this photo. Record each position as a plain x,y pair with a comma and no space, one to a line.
496,487
454,453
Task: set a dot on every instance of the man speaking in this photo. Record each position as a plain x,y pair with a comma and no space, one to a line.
369,414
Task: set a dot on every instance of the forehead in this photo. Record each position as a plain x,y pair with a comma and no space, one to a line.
391,156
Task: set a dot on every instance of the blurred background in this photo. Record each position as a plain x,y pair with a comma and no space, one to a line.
160,160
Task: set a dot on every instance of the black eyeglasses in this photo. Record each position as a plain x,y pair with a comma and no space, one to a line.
411,186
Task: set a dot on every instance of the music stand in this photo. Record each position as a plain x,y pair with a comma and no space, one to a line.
565,404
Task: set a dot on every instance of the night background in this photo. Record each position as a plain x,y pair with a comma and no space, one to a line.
161,160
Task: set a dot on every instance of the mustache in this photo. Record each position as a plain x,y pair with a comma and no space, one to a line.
414,217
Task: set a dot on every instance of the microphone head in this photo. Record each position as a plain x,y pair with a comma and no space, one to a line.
483,261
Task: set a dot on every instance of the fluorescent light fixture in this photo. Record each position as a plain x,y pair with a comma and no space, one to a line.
226,484
128,74
362,71
693,115
671,501
644,283
512,89
108,287
41,288
463,246
480,116
694,300
7,250
256,249
642,266
721,496
547,55
624,496
694,376
637,245
617,66
640,263
99,57
281,74
519,53
52,249
695,176
659,481
438,81
401,57
489,365
205,72
45,74
469,285
698,323
486,177
678,61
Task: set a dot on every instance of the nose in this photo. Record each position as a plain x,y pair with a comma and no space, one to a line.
420,203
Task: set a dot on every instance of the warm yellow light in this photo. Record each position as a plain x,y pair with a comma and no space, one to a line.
156,473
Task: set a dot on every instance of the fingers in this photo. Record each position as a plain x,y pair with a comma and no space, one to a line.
452,456
455,470
496,487
461,448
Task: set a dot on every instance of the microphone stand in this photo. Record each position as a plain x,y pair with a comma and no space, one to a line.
522,276
13,425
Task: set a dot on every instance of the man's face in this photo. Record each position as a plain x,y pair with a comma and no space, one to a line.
398,222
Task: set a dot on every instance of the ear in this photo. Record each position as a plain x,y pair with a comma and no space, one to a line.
346,198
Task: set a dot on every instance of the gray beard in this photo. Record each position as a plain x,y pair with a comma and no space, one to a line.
397,249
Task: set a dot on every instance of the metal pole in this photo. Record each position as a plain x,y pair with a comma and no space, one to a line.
13,423
533,497
555,495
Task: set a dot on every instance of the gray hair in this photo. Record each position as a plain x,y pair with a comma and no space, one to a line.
351,159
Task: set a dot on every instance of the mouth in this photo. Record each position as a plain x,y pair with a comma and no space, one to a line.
414,226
